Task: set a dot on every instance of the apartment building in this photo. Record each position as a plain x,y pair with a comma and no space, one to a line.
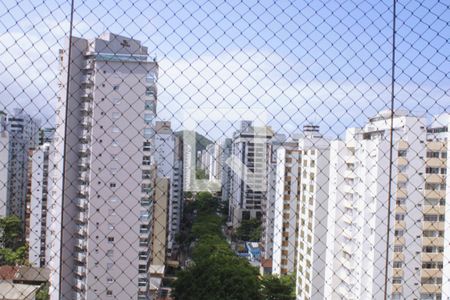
99,188
226,170
168,159
37,226
312,213
23,136
267,225
369,224
4,156
435,271
250,154
285,210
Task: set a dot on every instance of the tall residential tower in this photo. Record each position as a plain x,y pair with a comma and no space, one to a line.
99,189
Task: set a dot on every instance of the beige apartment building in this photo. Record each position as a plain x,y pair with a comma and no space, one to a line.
100,186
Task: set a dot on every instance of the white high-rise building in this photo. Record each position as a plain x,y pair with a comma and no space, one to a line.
169,165
367,226
4,156
214,165
301,209
99,191
248,194
38,207
226,170
23,136
266,243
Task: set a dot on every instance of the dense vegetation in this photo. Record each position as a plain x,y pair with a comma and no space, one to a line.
216,273
12,248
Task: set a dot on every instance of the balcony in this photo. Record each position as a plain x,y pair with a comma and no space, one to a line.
85,151
87,79
86,108
81,271
86,123
81,217
81,230
80,256
81,203
81,243
89,65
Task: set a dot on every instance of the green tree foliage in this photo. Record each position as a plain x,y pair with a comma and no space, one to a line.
13,257
200,174
42,293
217,273
216,277
205,203
250,230
12,251
278,288
11,232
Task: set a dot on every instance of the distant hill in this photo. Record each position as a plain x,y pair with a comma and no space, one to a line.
201,141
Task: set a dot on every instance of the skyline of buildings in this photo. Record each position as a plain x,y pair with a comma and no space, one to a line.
101,198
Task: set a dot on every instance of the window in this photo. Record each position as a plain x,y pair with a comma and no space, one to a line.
147,146
109,266
116,87
401,201
115,115
115,100
430,170
142,269
432,154
146,160
110,253
143,242
145,201
110,239
146,174
400,217
148,118
146,188
398,264
144,228
399,232
109,293
148,133
142,255
149,105
115,130
142,282
144,215
112,184
397,280
402,153
398,248
109,280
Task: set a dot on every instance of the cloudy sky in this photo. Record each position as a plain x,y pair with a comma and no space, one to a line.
322,62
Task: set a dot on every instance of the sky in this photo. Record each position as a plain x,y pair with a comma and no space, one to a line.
321,62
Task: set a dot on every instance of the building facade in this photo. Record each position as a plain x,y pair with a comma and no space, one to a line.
99,170
370,224
4,157
250,153
36,237
23,136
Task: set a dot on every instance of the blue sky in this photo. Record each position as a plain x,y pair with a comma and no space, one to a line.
326,62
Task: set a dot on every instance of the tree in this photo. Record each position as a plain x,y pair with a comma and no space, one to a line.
249,230
12,257
278,288
42,293
11,233
218,277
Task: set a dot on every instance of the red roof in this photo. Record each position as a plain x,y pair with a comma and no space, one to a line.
7,272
